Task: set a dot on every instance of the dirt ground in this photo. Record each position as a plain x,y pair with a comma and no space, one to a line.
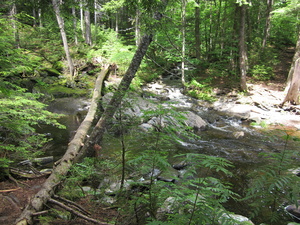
13,199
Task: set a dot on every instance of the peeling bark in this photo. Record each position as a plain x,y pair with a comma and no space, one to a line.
292,95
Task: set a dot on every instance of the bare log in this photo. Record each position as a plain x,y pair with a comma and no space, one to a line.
61,170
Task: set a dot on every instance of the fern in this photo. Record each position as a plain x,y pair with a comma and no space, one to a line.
20,113
271,185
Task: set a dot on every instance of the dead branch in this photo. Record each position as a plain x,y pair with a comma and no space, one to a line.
9,190
74,204
71,210
40,213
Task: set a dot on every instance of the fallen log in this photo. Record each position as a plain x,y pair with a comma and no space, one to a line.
26,174
96,135
74,151
61,170
38,161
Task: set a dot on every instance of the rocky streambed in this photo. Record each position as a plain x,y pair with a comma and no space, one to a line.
224,125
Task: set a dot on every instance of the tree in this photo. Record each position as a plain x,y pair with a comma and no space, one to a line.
295,58
75,23
292,95
197,30
87,23
268,23
242,46
183,31
61,25
98,131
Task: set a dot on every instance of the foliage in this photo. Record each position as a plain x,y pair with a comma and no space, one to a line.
14,61
20,113
202,194
273,184
284,20
199,91
262,72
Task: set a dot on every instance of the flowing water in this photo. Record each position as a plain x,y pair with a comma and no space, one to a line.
225,136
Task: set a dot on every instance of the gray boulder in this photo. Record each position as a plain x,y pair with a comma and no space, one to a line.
195,121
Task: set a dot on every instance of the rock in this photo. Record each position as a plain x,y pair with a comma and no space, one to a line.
167,207
294,211
180,166
195,121
238,134
239,219
145,127
87,189
166,179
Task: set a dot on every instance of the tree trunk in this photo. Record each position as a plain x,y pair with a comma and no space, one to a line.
268,23
296,57
183,24
98,131
87,22
81,18
13,13
61,170
137,28
242,49
75,24
197,31
61,25
292,95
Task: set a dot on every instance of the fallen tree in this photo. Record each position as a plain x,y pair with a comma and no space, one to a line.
90,147
78,147
62,168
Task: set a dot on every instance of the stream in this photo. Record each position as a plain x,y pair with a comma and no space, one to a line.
225,136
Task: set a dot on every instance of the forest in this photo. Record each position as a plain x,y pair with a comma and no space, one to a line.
127,163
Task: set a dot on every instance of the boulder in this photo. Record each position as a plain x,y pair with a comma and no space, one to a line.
195,121
238,219
294,211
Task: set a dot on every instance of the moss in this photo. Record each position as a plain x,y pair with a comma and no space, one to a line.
62,91
50,72
246,223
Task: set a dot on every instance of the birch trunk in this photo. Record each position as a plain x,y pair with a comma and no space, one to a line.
87,22
61,25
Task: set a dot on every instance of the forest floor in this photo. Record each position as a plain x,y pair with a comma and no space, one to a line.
13,199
